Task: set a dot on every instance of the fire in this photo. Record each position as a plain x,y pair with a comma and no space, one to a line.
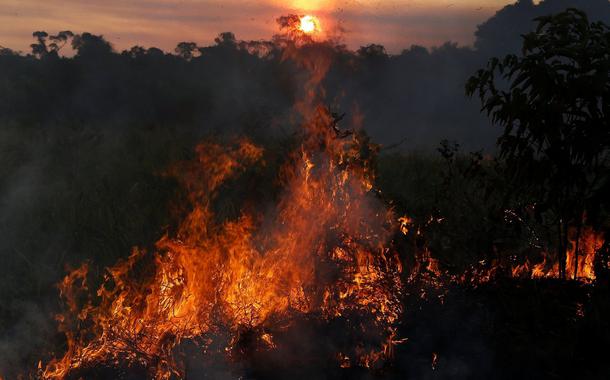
587,244
322,250
309,24
581,261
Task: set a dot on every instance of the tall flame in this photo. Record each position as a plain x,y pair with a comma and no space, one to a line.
320,250
587,244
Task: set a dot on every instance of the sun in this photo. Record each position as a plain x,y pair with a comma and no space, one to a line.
309,24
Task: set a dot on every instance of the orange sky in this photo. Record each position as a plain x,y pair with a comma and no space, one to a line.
162,23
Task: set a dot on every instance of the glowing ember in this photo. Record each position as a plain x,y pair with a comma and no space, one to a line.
309,24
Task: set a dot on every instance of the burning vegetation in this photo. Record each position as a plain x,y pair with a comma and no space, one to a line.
322,250
330,251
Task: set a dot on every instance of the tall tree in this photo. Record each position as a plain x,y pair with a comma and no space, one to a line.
39,49
60,40
91,46
554,105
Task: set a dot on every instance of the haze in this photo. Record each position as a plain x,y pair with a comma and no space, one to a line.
164,23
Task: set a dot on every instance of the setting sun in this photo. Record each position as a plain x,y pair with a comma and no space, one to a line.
309,24
299,189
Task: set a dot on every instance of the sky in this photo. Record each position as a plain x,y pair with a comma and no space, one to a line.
395,24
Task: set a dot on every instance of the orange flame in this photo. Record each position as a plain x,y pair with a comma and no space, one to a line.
321,250
589,243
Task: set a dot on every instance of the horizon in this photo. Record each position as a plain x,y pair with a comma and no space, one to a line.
396,25
304,189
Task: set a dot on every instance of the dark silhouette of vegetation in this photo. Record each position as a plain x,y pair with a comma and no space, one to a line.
86,130
495,36
185,50
556,118
41,49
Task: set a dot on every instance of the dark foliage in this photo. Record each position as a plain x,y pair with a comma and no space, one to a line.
85,133
556,117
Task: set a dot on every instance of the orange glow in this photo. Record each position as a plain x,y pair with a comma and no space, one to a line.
311,5
321,250
309,24
579,267
589,243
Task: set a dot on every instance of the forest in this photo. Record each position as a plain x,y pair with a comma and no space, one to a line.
491,164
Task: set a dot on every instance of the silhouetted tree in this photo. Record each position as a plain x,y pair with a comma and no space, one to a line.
186,50
226,39
556,116
6,51
90,45
154,52
135,52
60,40
372,50
39,49
290,29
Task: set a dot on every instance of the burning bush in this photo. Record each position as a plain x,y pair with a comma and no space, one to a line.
320,252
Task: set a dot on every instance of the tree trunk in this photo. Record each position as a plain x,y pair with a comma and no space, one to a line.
561,250
602,258
576,249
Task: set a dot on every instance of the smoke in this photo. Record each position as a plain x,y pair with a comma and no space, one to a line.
82,139
30,333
